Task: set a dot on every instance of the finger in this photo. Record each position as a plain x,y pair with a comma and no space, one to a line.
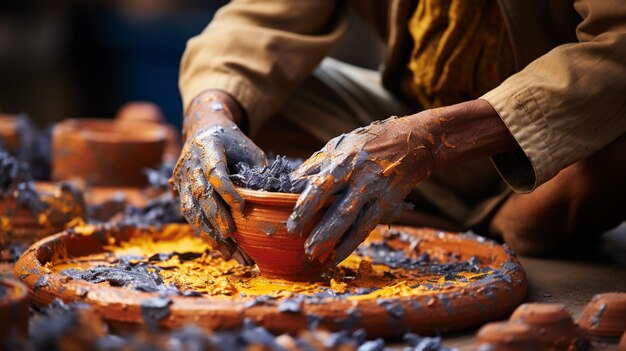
395,211
316,193
335,222
310,166
201,225
364,224
242,257
318,190
211,204
215,165
255,156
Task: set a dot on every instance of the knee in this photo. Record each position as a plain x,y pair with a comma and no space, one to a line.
574,207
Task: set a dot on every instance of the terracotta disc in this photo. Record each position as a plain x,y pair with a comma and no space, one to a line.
428,282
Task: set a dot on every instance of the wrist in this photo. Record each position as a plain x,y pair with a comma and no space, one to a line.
212,107
464,132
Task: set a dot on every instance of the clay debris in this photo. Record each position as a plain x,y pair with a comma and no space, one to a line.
61,326
275,177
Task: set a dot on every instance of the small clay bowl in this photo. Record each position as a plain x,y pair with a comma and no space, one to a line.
13,310
605,315
505,336
262,233
9,134
552,322
103,152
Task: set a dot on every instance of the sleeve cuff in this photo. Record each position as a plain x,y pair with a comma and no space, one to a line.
239,88
531,163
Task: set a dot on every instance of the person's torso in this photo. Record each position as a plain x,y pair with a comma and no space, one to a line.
447,51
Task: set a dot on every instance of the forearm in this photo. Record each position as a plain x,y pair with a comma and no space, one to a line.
212,107
465,132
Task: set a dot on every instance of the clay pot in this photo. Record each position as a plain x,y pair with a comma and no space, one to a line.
552,322
622,343
13,311
505,336
605,315
106,153
433,312
262,233
9,134
151,113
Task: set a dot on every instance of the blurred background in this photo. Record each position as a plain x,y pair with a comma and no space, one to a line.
71,58
61,59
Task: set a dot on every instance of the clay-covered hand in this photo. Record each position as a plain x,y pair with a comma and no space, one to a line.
370,170
201,176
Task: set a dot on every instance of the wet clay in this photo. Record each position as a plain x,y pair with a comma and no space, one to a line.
27,211
29,144
605,315
274,177
216,293
59,326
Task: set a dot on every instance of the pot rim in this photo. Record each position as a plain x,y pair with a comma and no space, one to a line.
106,130
268,197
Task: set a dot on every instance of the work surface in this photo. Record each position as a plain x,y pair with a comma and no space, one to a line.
571,281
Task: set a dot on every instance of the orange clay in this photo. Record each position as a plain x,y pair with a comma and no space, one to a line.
214,276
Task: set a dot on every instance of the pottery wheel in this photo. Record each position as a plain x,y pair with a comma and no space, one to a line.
401,279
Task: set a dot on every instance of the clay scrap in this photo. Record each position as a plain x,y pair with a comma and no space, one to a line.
605,316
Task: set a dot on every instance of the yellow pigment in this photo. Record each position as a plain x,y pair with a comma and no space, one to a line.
212,275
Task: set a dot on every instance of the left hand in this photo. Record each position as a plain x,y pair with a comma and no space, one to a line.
371,170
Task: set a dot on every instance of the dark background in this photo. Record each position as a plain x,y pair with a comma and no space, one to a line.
62,59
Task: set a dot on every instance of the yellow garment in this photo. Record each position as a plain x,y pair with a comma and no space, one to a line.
462,50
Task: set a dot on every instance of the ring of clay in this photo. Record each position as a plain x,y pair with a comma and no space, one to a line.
454,281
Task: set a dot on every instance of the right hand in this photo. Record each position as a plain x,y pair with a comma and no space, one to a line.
201,176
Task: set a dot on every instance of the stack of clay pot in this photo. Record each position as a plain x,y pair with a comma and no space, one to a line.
533,326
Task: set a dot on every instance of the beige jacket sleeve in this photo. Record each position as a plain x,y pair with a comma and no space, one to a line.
568,103
259,51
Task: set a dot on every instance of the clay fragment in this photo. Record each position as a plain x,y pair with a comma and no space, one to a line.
154,310
553,323
505,336
60,326
274,177
605,316
423,343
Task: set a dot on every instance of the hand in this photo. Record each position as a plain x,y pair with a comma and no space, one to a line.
201,175
371,170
